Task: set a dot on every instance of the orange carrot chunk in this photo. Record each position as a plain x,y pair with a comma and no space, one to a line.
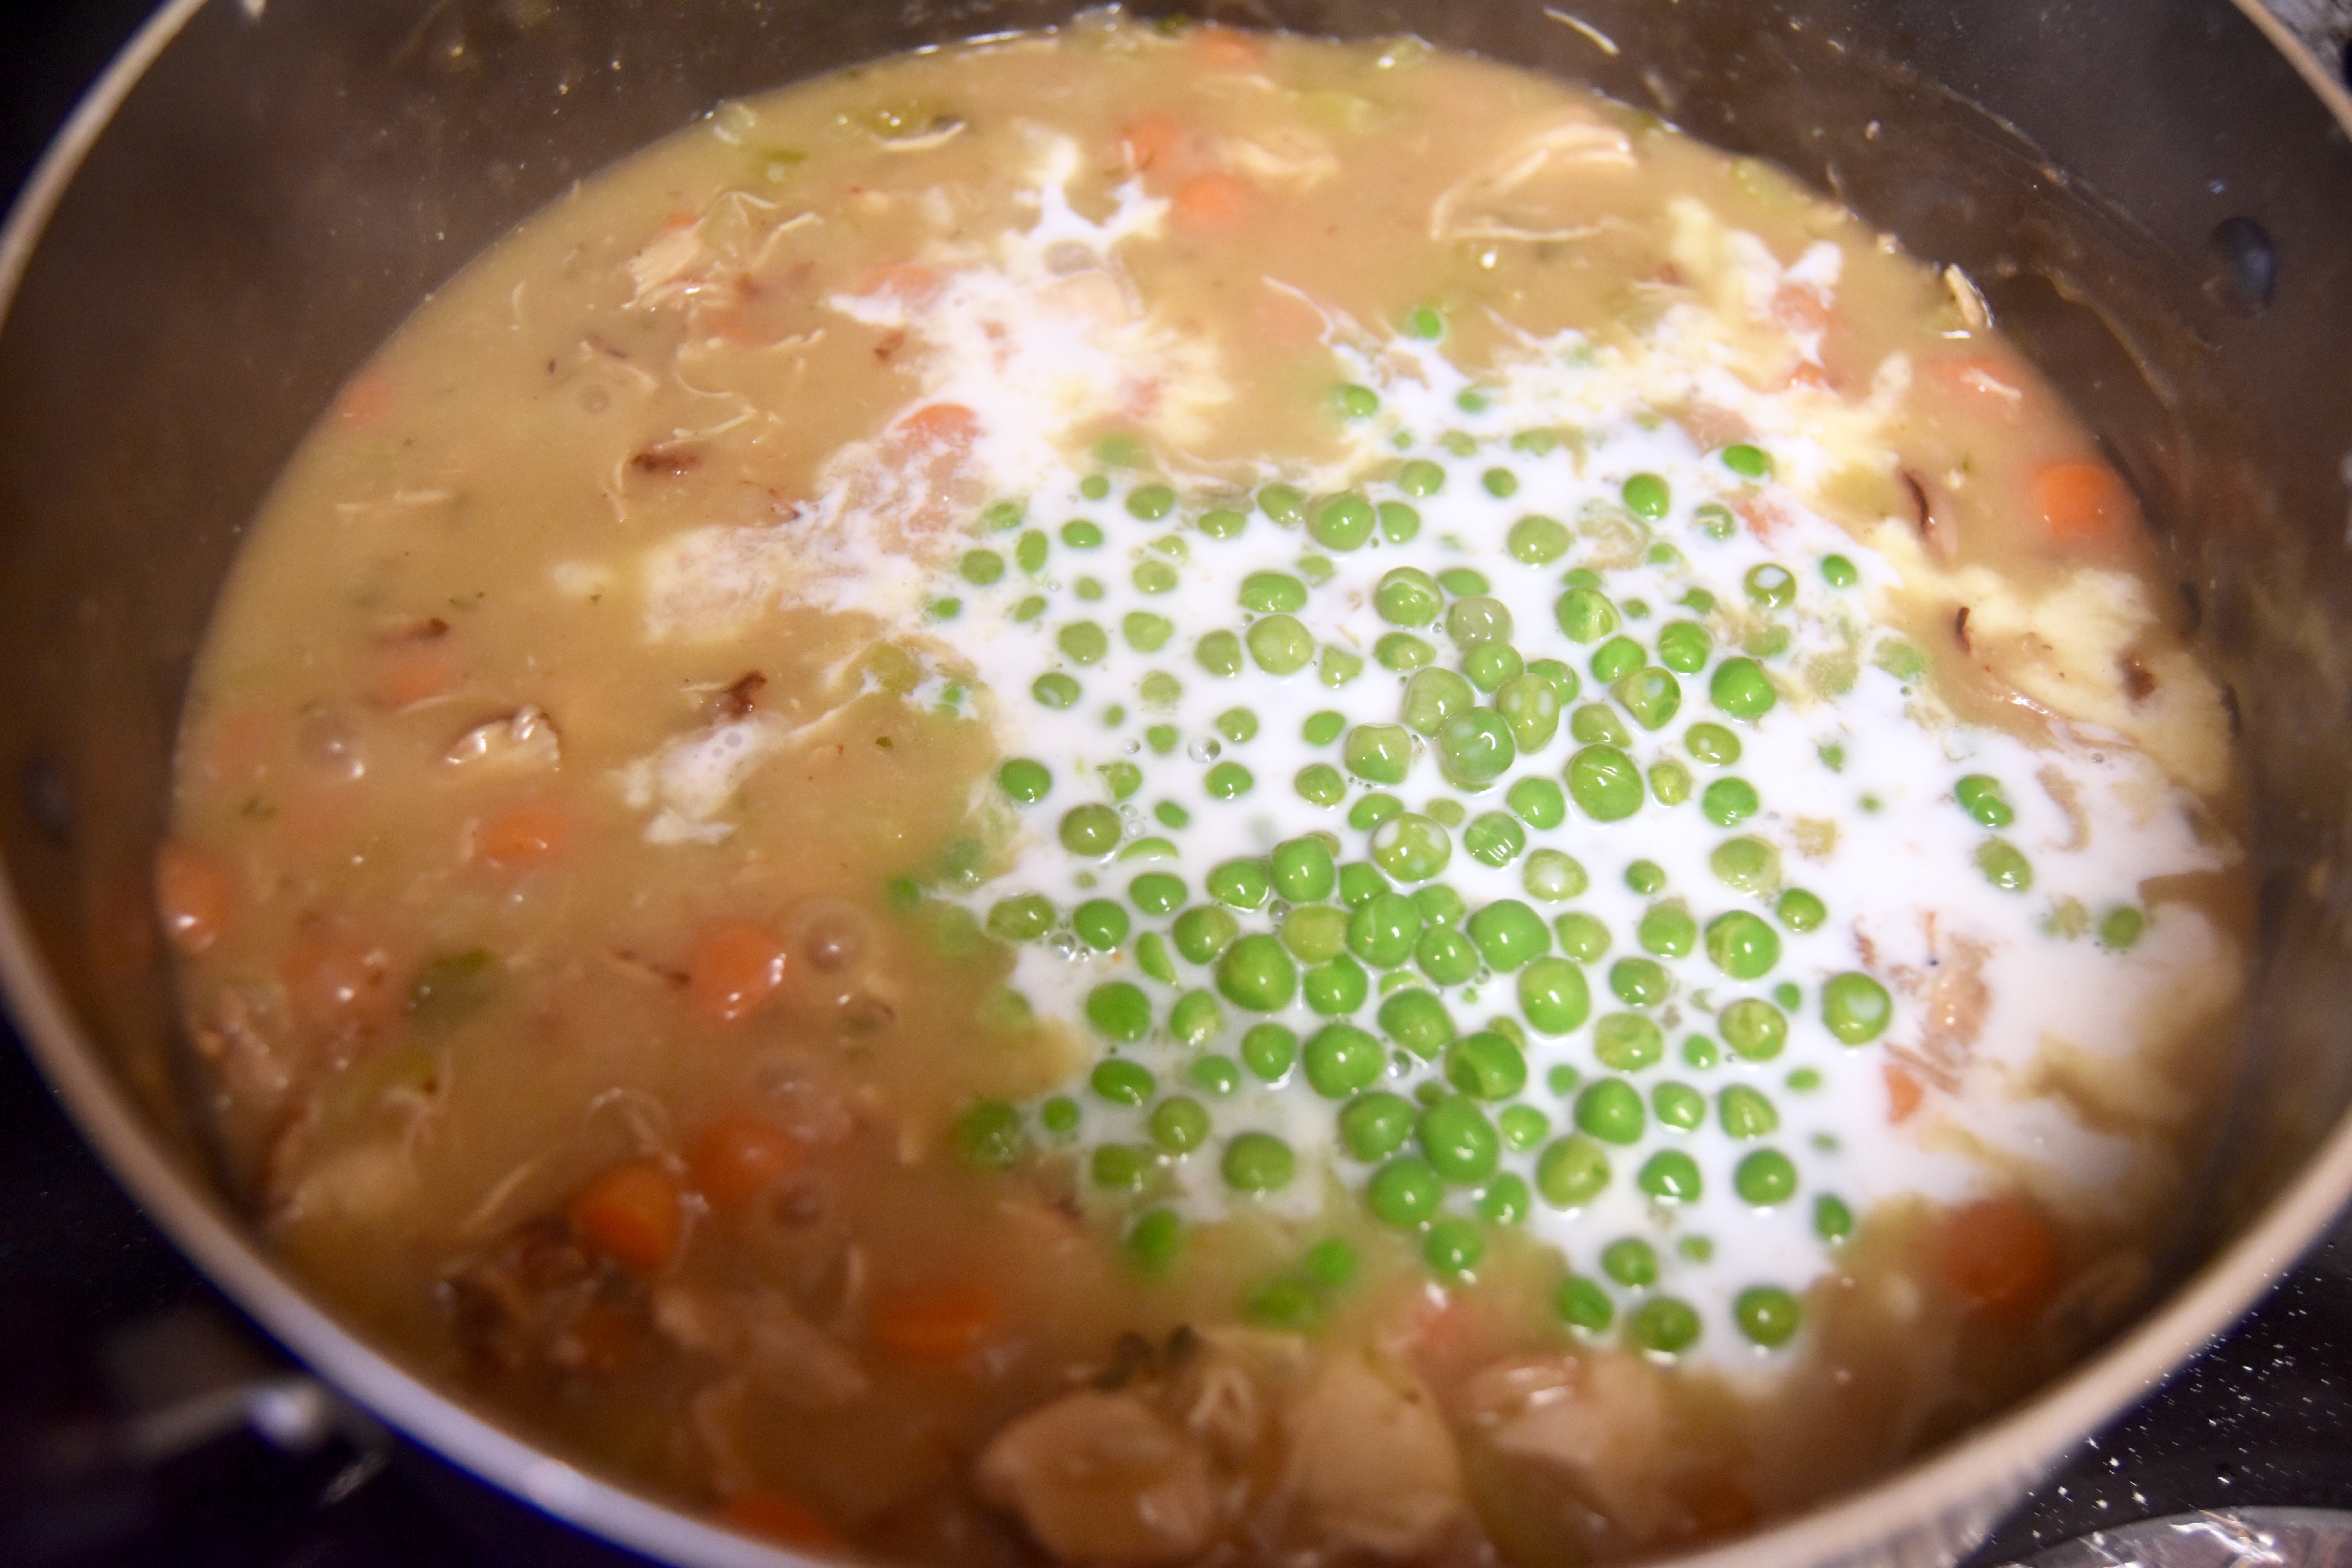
196,892
406,673
521,835
1997,1255
736,969
1151,141
1212,202
1903,1093
941,425
336,985
934,1327
630,1213
757,1512
739,1157
2080,502
1228,49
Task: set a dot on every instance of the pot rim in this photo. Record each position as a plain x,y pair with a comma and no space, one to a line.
1945,1490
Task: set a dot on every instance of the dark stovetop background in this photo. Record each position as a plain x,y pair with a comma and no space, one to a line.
2265,1418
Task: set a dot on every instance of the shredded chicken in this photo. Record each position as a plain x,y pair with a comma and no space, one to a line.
525,741
758,1333
1371,1464
1598,1424
1103,1478
1511,197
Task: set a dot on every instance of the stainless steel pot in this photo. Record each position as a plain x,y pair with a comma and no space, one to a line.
2156,196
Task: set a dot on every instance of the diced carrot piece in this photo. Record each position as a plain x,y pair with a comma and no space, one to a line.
1795,309
909,281
2080,502
948,425
1978,375
936,1326
1212,202
1151,141
780,1519
1997,1255
739,1157
336,985
412,670
1903,1093
522,836
367,401
736,969
196,892
630,1213
1228,49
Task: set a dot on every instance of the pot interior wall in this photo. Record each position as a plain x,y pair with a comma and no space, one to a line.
287,182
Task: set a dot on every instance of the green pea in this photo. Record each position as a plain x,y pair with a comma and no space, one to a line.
1405,1192
1023,918
1618,657
1219,653
1748,462
1180,1125
1241,883
1651,695
1770,586
1610,1110
1151,503
1319,783
1158,893
1667,929
1508,933
2004,866
1302,869
1341,1060
1715,520
1156,1239
1228,781
1360,882
1585,615
981,567
1744,1112
1538,540
1155,577
1383,930
1582,936
1530,707
1494,839
1060,1115
1411,847
1604,783
1029,551
1439,904
1485,1066
1553,997
1646,496
1684,647
1446,955
1765,1178
1205,932
1742,945
1119,1081
1489,665
1754,1028
1766,1314
1421,477
1374,1126
1474,748
1122,779
1749,864
1678,1106
1639,981
1506,1200
1418,1022
1159,690
1832,1221
1402,651
1712,744
1663,1325
1336,988
1596,725
1379,753
1055,691
1369,810
1280,645
1539,802
1160,738
1025,780
1283,504
1314,933
989,1135
1727,802
1585,1305
2121,927
1800,911
1268,592
1258,1162
1741,689
1268,1050
1216,1074
1256,974
1343,522
1572,1172
1460,1144
1670,1176
1553,876
1287,1304
1408,597
1398,523
1100,924
1632,1262
1500,483
1627,1042
1152,957
1434,696
1351,400
1091,830
1980,796
1476,621
1223,523
1855,1008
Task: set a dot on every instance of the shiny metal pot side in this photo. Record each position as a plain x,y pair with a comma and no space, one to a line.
2154,195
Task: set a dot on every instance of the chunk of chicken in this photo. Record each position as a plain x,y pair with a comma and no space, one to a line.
1598,1423
758,1333
1371,1464
1101,1478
